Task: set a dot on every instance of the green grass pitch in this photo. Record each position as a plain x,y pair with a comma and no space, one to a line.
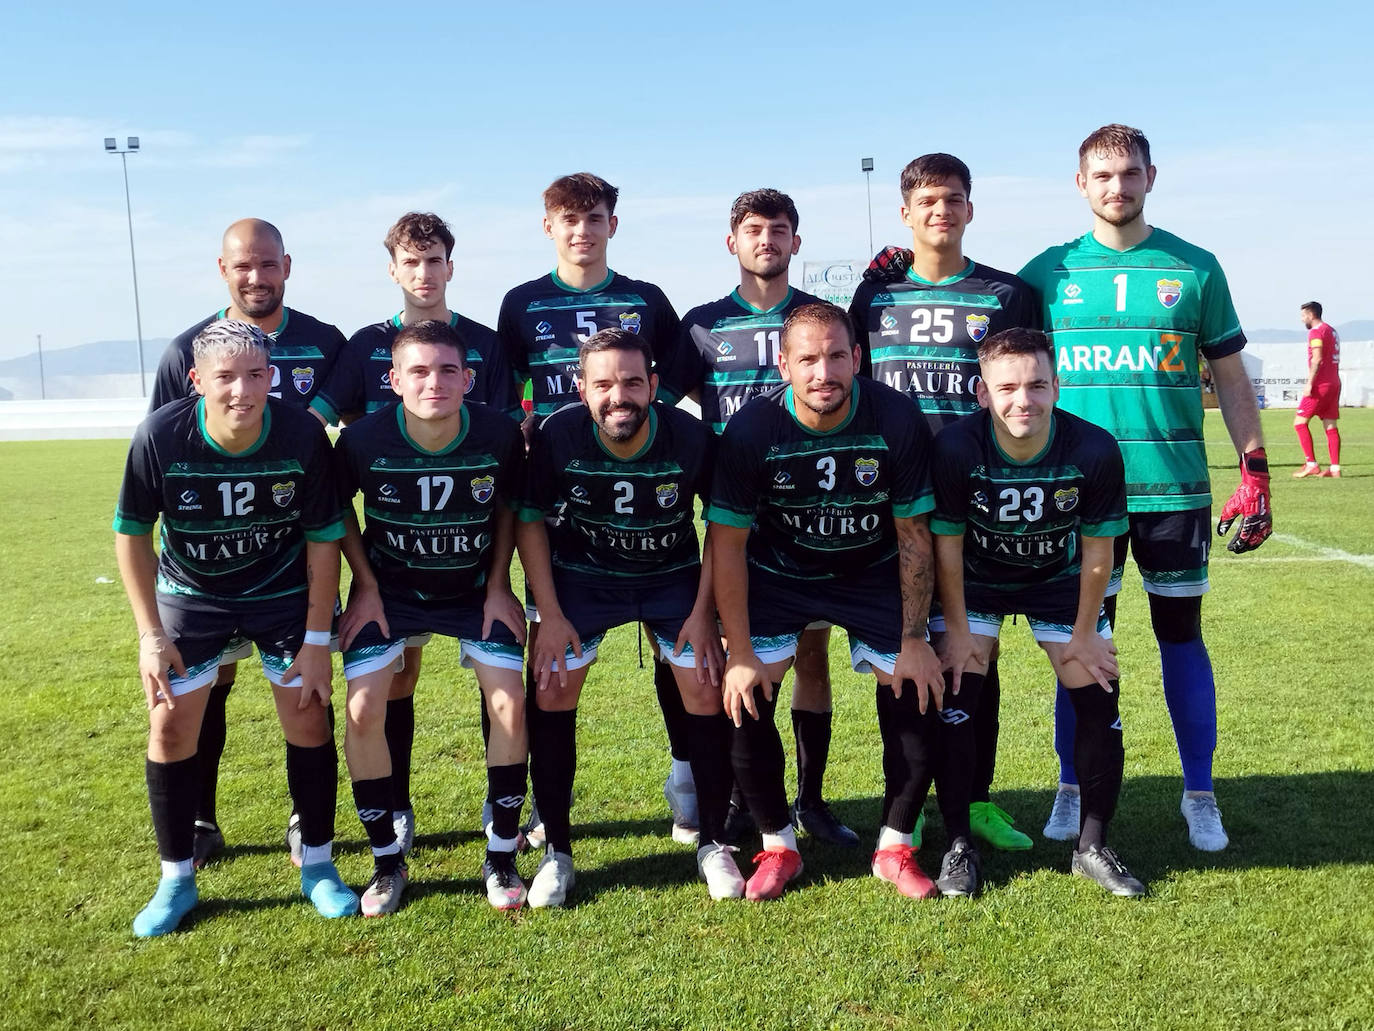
1275,932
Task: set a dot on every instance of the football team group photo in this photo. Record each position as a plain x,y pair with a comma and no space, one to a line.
748,487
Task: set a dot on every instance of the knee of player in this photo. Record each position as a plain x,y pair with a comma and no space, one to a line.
171,739
366,713
506,705
403,683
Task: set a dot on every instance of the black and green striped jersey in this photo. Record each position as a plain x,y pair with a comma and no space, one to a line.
728,352
1127,327
921,338
304,351
429,516
543,322
360,381
822,504
234,526
617,517
1021,521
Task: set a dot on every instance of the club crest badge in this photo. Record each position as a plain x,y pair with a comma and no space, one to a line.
482,488
282,493
866,470
472,380
1169,291
1066,500
977,327
630,320
303,378
666,495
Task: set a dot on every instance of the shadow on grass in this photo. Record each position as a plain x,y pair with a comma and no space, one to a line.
1299,821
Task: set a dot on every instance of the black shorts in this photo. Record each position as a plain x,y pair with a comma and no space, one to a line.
202,629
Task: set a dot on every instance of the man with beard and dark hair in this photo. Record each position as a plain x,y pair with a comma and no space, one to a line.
819,512
618,477
726,355
254,263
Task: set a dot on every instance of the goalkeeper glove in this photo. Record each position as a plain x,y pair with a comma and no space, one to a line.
1250,502
888,266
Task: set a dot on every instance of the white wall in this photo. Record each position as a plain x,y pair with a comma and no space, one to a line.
1279,372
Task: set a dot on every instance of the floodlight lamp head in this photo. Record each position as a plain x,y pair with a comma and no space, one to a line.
110,143
133,143
865,164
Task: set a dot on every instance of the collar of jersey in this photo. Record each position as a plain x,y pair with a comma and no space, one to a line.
462,432
262,437
962,274
1097,245
610,274
281,326
452,320
755,310
648,441
791,404
1049,441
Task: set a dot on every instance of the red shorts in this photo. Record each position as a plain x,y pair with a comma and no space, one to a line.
1323,403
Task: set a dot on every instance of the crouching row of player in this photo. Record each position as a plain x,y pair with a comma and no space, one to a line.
818,512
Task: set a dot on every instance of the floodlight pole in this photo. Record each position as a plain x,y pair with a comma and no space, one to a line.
131,148
866,166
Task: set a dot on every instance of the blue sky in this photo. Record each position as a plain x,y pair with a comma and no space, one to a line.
331,120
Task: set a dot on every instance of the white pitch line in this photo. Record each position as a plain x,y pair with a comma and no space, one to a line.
1322,552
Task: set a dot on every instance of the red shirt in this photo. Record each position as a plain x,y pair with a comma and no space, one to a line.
1330,347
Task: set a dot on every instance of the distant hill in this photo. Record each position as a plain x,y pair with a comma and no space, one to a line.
1360,329
94,359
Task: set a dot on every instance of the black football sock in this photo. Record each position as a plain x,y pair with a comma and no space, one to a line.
400,740
985,730
209,749
506,792
312,775
674,715
1100,757
372,799
172,794
756,753
709,738
812,732
908,756
553,765
955,753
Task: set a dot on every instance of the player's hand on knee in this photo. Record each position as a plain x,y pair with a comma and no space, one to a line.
1251,504
312,665
917,663
700,634
156,655
1095,654
502,606
556,637
956,652
741,675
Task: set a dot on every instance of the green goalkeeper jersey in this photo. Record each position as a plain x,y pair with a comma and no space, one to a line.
1127,327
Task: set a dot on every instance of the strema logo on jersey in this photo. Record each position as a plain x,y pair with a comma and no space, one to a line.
666,495
977,327
282,493
482,488
630,321
1169,291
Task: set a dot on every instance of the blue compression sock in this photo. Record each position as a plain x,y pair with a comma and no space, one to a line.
1065,726
1191,695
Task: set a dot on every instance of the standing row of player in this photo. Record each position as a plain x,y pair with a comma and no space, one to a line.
917,330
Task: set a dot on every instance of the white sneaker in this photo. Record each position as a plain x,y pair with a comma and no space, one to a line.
553,880
403,823
682,800
1204,821
717,868
1063,823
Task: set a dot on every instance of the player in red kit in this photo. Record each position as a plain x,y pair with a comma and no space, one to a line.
1322,397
